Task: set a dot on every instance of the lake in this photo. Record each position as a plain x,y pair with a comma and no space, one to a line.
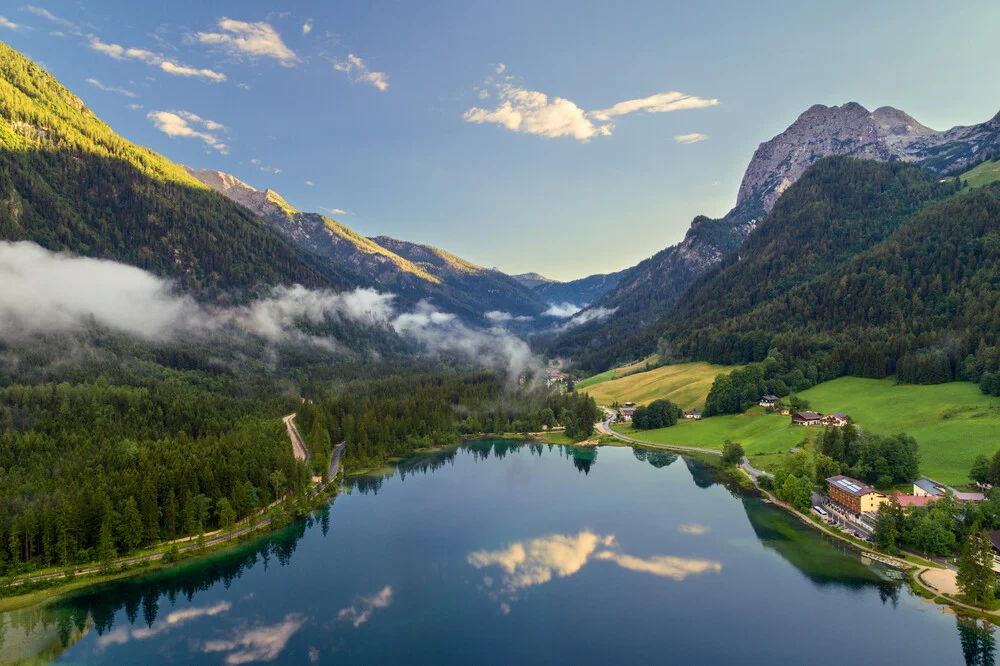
503,553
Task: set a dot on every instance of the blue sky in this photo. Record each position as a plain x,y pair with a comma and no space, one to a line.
378,104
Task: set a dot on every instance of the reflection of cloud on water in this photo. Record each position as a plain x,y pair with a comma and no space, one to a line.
665,566
693,528
361,610
177,618
262,643
533,562
528,563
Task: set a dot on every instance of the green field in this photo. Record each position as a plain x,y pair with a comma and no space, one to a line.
952,423
686,384
984,174
615,373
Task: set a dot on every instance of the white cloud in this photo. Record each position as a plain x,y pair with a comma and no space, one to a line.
358,70
119,52
46,14
694,137
244,86
10,25
333,211
561,310
665,566
693,528
252,40
500,317
177,618
262,643
46,292
533,112
361,610
101,86
585,316
135,107
307,27
538,561
183,124
57,33
309,183
658,103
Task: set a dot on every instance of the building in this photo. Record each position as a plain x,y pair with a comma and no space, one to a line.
627,413
970,497
807,419
692,415
835,420
995,541
905,500
630,404
853,495
927,488
769,401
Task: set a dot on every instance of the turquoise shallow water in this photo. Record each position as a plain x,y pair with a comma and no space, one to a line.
500,553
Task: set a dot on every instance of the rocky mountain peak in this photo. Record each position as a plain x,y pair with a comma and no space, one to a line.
850,129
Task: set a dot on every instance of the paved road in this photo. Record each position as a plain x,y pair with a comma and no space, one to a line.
298,446
335,462
211,539
605,427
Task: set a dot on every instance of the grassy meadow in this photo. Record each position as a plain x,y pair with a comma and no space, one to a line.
983,174
952,423
685,384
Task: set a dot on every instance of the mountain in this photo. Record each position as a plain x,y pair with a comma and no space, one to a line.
412,271
862,268
580,292
886,135
646,293
532,280
68,182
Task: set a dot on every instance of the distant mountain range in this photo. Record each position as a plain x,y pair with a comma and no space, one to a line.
646,293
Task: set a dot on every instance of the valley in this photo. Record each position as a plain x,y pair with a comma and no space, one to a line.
266,397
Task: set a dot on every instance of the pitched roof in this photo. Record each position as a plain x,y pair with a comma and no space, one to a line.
850,486
995,538
970,497
771,398
912,500
840,415
928,486
807,416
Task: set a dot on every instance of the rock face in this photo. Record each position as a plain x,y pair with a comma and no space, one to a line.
646,293
885,134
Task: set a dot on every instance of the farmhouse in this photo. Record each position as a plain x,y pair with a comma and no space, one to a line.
769,401
927,488
853,495
807,419
835,420
995,541
627,413
692,415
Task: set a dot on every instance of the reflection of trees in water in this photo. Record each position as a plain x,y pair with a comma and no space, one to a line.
141,597
657,459
584,457
978,643
702,474
822,560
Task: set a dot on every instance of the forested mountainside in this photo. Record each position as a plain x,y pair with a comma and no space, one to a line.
864,268
68,182
581,292
646,293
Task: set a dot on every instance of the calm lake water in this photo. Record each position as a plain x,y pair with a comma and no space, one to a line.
498,553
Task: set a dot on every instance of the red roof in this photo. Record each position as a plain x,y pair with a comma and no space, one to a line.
912,500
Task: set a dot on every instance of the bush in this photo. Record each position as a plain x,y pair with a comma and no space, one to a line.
732,453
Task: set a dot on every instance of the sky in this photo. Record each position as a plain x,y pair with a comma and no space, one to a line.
564,138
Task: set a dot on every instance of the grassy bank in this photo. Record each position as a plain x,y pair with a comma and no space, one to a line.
953,423
686,384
